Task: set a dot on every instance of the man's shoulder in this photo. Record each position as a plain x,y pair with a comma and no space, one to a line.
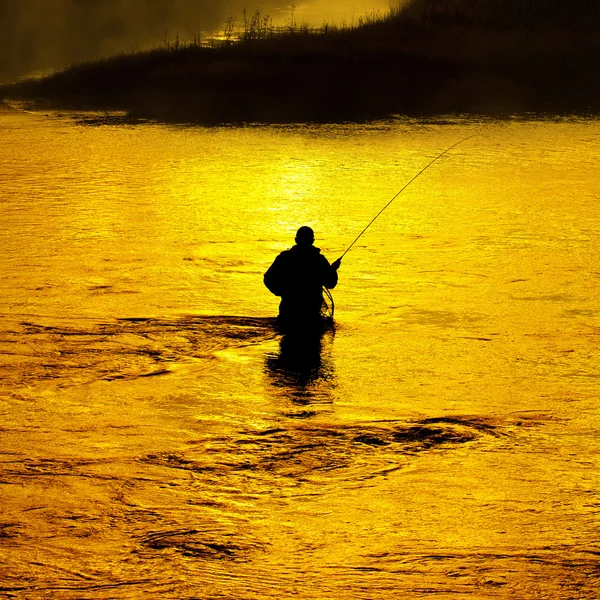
311,251
296,255
285,254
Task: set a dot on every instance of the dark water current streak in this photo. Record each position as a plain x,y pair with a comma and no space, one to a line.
122,349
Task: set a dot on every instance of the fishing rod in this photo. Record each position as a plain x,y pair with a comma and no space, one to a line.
415,177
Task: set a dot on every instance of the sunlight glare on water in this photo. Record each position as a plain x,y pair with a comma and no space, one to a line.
158,438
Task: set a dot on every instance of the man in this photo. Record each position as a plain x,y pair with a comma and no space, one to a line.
298,276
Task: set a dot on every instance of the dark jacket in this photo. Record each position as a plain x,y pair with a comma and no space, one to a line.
298,276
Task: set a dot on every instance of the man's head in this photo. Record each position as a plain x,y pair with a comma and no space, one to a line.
305,236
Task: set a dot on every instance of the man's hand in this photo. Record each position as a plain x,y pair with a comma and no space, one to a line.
335,265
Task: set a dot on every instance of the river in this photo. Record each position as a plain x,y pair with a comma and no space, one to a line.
158,440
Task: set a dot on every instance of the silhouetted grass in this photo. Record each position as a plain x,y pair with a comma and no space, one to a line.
481,56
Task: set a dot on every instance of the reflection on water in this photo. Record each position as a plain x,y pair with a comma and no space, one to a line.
443,441
303,368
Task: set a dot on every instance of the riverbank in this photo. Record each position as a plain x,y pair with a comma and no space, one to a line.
411,62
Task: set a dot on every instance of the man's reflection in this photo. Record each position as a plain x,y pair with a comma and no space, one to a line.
303,367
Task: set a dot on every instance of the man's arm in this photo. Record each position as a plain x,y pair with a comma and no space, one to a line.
329,274
273,278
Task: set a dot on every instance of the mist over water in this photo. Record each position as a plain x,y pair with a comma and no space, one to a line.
158,437
37,34
41,34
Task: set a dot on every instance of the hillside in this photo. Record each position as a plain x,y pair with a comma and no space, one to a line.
493,57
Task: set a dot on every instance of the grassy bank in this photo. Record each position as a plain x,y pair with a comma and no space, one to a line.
492,57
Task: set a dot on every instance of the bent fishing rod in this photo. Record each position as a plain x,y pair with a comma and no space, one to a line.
415,177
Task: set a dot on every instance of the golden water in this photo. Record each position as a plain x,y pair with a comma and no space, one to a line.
156,440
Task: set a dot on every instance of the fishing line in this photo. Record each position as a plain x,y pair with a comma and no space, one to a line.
415,177
329,296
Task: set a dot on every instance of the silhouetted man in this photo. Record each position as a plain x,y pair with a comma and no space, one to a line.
298,276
